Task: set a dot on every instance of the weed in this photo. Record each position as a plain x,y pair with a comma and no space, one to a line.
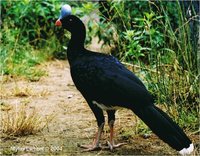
21,122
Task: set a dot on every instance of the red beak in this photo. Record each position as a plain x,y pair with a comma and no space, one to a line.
58,23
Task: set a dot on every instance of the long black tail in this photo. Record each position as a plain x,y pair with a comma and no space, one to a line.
166,129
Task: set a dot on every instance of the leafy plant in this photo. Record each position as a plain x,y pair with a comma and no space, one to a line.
155,38
28,37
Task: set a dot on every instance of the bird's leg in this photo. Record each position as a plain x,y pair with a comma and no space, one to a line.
98,112
95,145
111,143
111,120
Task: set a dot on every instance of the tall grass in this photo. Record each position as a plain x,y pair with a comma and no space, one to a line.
155,39
18,58
21,122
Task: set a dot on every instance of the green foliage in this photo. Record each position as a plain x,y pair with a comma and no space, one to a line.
34,19
19,58
28,36
154,37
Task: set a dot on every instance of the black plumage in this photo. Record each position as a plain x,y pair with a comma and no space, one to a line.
106,85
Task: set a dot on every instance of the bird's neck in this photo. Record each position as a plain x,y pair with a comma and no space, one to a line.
76,45
76,42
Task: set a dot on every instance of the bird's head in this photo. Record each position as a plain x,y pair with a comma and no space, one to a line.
69,21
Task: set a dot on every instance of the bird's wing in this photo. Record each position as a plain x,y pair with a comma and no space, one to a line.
107,81
123,88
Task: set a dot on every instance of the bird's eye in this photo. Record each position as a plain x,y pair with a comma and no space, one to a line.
70,20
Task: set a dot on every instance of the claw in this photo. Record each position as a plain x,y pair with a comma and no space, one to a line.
89,148
112,146
109,145
95,145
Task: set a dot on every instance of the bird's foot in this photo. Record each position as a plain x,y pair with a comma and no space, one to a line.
112,145
90,147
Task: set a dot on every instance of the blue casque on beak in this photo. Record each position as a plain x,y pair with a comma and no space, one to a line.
65,11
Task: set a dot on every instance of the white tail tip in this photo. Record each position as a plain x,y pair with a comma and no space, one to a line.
186,151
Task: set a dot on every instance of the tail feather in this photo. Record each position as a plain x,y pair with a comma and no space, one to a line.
164,127
181,136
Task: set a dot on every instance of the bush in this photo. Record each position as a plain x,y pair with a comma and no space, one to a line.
29,36
154,37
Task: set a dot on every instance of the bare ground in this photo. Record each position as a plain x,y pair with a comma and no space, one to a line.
73,122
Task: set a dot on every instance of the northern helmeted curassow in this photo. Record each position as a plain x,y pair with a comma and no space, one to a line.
106,85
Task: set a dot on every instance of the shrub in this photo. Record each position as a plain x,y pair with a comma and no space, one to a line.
154,37
28,36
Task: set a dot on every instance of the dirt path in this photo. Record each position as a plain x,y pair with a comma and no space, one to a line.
73,121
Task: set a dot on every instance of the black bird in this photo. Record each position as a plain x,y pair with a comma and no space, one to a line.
106,85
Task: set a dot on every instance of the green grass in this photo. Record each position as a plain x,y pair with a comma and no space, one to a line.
19,58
